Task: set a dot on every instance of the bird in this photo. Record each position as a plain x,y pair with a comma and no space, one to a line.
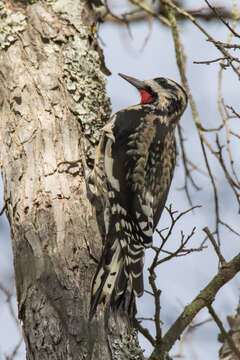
133,170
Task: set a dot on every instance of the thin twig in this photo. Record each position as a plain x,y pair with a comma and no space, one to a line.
182,250
209,37
216,202
196,168
228,46
216,247
187,173
190,329
208,62
148,34
229,227
150,12
235,134
218,15
108,11
3,208
145,333
15,350
156,293
144,319
164,238
233,111
11,310
223,116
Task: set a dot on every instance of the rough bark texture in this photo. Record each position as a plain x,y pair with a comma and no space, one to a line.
52,105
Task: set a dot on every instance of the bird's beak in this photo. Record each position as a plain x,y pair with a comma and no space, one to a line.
135,82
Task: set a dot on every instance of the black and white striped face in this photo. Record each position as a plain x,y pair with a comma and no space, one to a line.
162,94
169,89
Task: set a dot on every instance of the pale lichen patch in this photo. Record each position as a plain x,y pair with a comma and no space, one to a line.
84,80
126,346
14,22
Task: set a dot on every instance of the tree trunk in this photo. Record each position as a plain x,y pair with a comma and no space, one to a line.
53,104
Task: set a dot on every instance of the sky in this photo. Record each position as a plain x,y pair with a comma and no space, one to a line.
181,279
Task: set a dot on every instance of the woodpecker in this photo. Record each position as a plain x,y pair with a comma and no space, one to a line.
133,170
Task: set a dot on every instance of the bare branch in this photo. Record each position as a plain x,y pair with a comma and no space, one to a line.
205,297
4,207
218,15
216,247
164,238
216,202
187,173
15,350
190,329
156,294
148,34
229,227
9,296
228,46
208,62
145,333
209,37
234,111
149,11
181,251
139,14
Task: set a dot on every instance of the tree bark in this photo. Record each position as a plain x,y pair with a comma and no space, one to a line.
53,104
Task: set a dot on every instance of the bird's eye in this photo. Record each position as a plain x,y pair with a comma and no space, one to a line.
146,98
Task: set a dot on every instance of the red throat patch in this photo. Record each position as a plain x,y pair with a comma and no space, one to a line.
146,97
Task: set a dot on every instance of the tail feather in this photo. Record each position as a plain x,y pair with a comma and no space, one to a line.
133,266
120,268
105,277
96,297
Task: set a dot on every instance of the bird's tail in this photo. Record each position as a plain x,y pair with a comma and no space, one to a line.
105,277
120,268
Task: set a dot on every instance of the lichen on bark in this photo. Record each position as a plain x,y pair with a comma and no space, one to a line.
126,346
82,74
11,23
52,222
53,97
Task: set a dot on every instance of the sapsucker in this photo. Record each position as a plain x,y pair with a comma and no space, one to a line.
133,170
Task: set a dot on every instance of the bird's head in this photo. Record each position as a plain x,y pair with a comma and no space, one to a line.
163,94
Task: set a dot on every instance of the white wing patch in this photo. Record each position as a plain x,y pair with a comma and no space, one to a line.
108,164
